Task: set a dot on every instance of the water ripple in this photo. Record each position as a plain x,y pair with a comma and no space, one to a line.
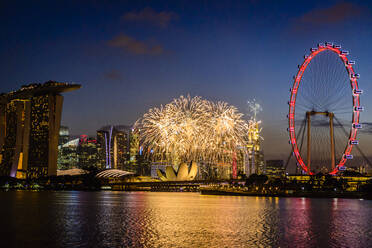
119,219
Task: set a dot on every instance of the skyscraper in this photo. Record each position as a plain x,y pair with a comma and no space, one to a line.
64,135
87,152
114,146
254,159
68,155
29,129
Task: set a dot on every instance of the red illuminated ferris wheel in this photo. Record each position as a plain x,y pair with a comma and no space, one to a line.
325,94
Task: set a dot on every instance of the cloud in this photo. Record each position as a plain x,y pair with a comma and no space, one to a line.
366,127
148,15
131,45
325,123
334,14
113,75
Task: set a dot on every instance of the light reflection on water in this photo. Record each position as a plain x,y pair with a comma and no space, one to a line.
145,219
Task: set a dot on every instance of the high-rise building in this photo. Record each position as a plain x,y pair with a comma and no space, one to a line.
67,155
114,146
87,152
79,152
254,158
29,129
64,135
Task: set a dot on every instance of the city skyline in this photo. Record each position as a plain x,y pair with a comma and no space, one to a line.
188,123
134,56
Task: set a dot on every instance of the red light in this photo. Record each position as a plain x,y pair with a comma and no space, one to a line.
297,80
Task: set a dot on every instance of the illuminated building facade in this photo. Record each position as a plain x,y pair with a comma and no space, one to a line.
113,146
67,155
30,123
183,173
275,168
87,152
254,159
64,135
359,169
79,152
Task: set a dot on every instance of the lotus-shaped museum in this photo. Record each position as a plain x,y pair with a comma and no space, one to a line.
184,173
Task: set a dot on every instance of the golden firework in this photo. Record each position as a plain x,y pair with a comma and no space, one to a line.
193,129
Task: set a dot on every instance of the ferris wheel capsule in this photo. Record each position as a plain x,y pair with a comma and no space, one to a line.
337,46
356,75
348,156
306,56
358,92
342,168
321,45
354,142
351,62
314,49
357,125
345,52
359,108
329,44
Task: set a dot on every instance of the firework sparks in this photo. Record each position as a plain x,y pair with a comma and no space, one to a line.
254,108
193,129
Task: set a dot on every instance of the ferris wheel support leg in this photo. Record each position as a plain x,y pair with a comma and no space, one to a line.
308,140
332,140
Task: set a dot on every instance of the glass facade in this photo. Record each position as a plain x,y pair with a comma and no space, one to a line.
113,146
87,153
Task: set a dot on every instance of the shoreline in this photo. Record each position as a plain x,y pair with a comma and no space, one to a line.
320,194
216,192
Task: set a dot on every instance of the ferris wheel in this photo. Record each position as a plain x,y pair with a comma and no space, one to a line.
324,109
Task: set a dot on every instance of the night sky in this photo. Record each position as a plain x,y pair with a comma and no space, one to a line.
130,56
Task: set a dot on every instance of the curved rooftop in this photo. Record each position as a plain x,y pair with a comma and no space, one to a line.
27,91
72,143
113,173
184,173
71,172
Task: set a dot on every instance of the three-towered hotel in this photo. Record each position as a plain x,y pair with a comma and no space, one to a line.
29,125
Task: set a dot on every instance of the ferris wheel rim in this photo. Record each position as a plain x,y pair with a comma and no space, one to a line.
356,104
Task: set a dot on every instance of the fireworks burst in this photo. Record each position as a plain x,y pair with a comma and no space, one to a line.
254,131
193,129
254,108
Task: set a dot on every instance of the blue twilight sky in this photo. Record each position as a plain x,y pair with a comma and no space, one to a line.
133,55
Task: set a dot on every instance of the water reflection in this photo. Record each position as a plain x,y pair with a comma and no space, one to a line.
351,223
118,219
